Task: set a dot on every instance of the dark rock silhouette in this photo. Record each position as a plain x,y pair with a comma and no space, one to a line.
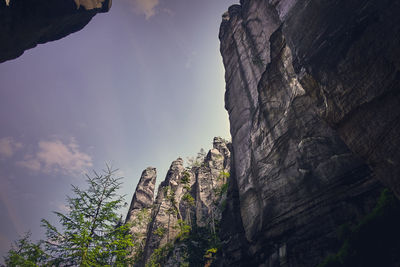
27,23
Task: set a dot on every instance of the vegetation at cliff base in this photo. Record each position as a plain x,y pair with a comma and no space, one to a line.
91,233
375,241
25,253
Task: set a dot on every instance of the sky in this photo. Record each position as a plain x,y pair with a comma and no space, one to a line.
139,86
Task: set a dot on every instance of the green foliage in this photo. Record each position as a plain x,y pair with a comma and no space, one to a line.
160,231
199,241
143,216
222,189
159,256
25,253
91,233
223,175
197,161
185,177
210,252
169,194
172,210
184,230
188,199
375,241
138,257
210,255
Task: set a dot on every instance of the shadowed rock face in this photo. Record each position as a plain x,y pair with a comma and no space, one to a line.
347,57
26,23
296,74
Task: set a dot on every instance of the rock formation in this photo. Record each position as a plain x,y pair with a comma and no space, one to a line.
189,200
312,96
347,58
26,23
140,209
311,92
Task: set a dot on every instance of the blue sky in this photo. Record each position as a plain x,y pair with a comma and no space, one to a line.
137,87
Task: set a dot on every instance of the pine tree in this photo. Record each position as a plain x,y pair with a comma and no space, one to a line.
92,233
25,253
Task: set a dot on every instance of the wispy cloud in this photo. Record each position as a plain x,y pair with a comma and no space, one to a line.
57,157
8,147
30,162
146,7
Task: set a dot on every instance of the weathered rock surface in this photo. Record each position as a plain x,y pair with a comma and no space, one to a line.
140,209
297,172
312,95
188,198
348,59
26,23
166,210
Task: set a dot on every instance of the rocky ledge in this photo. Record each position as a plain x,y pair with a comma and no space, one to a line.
27,23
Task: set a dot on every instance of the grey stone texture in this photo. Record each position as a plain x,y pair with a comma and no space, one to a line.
139,212
190,194
311,95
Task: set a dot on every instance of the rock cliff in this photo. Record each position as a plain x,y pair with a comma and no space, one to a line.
180,224
140,210
312,96
26,23
347,58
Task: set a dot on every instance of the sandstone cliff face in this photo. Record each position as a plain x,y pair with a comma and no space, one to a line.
189,198
302,164
140,209
166,209
26,23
